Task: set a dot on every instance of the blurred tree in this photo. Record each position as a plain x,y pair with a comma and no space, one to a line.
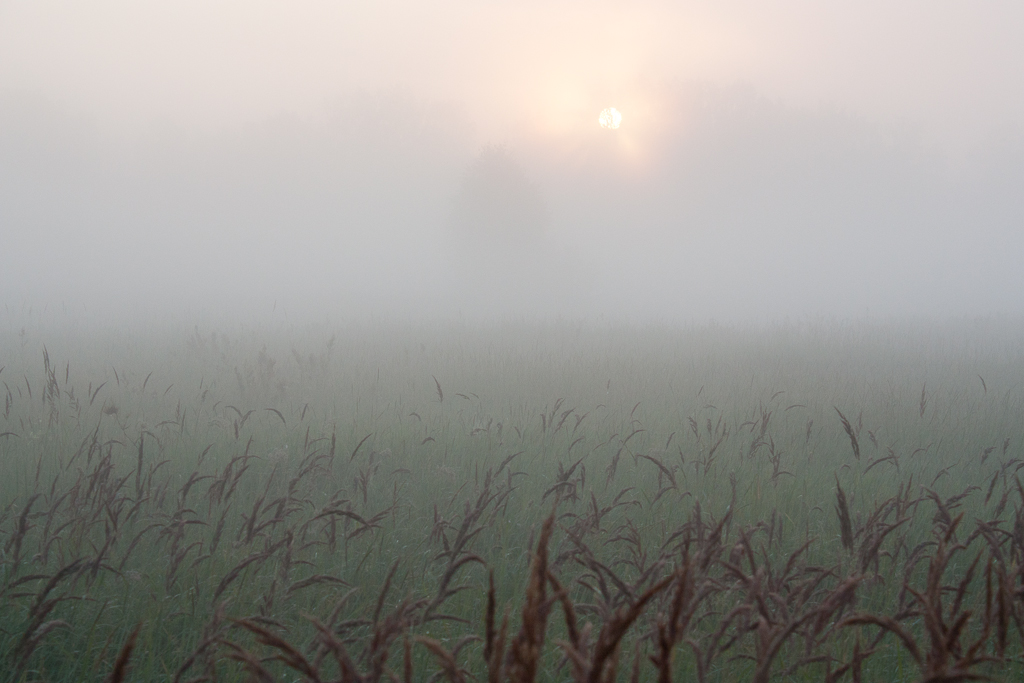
497,204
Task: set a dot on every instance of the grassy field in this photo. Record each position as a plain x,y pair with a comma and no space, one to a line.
560,502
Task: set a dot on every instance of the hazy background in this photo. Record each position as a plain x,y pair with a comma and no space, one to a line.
311,160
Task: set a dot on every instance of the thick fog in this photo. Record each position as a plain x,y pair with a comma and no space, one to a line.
444,160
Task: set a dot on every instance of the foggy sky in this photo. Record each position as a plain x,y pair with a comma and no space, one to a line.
428,160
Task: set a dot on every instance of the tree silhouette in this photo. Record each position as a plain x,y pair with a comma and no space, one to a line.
497,204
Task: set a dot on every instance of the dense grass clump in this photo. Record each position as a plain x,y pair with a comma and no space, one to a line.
527,503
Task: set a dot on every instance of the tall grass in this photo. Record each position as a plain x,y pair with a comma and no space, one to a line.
527,503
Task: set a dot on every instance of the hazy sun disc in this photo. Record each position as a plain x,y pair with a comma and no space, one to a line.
610,118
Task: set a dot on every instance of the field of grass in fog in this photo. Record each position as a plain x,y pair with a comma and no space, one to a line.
554,502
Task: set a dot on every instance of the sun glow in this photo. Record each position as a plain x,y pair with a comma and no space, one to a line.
610,118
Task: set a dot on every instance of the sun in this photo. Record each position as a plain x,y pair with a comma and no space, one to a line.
610,118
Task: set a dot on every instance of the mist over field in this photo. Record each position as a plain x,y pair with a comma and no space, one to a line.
391,207
525,342
177,181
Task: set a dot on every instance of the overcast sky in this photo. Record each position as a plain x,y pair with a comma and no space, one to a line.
445,158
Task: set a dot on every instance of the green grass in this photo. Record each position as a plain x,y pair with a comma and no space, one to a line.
363,406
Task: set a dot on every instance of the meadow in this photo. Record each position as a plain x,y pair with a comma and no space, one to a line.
814,501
